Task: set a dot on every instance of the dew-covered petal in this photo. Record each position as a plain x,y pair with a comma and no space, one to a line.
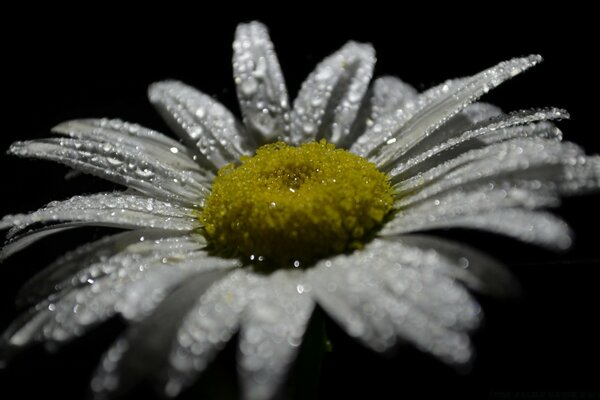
383,124
134,136
377,297
130,283
470,118
260,85
120,164
85,262
272,327
202,123
438,112
142,352
329,99
387,94
207,328
104,209
475,269
445,147
534,227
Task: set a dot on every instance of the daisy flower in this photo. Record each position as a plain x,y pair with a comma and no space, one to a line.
246,227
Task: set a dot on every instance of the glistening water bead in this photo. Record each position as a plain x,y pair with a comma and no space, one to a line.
292,205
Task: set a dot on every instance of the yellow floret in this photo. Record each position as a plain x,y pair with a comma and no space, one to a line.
288,205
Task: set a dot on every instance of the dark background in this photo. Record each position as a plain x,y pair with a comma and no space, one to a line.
98,63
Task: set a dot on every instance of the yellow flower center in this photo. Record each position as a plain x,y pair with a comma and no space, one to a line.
289,206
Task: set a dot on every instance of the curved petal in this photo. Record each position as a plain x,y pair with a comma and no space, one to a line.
521,124
203,123
387,94
120,164
208,327
120,133
329,99
85,262
517,161
131,283
377,295
435,114
144,349
272,328
473,268
259,81
528,226
104,209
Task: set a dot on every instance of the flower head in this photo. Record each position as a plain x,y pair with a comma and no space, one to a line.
245,227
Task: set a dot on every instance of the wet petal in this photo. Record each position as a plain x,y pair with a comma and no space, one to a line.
260,85
120,164
104,209
207,328
518,161
130,283
203,123
534,227
83,261
439,111
271,332
142,352
329,99
475,269
378,296
125,134
387,94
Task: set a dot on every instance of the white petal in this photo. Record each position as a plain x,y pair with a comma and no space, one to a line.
515,158
435,114
142,352
473,268
529,226
131,283
471,117
207,328
330,97
124,134
271,332
104,209
202,122
260,85
439,148
81,261
122,165
387,94
377,297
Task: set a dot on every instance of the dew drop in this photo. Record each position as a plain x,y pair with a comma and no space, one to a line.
249,86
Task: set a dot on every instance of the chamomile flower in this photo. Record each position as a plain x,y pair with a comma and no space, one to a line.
247,227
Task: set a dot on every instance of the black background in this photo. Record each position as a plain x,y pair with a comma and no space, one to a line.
98,63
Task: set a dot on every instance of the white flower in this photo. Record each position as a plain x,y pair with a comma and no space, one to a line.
451,162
